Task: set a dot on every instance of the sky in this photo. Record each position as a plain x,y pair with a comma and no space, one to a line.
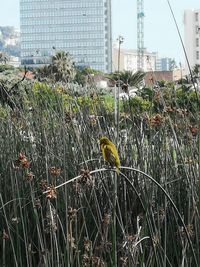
160,34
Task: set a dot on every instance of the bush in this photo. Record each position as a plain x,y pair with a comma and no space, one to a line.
146,216
4,67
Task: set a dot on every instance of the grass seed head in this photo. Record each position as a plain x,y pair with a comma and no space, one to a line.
71,213
55,171
85,177
29,176
43,185
87,245
51,194
106,219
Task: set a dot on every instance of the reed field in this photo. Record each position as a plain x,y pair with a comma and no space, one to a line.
61,204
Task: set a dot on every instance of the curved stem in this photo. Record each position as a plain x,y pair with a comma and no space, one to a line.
155,182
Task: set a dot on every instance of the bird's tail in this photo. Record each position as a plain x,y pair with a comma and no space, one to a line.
118,170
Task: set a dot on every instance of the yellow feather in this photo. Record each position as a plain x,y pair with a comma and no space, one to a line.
109,152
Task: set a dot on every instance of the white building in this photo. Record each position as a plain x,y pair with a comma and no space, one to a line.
80,27
14,61
192,36
128,60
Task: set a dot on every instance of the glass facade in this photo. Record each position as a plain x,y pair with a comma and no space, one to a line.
80,27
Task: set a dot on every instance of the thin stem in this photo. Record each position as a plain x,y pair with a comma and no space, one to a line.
155,182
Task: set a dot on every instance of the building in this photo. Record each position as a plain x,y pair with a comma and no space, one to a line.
170,76
165,64
128,60
80,27
192,36
14,61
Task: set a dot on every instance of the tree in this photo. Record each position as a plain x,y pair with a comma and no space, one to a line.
128,78
84,75
132,79
62,67
196,71
42,72
80,77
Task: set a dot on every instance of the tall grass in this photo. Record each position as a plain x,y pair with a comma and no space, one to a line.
152,219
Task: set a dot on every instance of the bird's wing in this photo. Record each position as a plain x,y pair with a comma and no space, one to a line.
110,157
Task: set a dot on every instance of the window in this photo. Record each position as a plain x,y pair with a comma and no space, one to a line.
196,16
197,55
197,42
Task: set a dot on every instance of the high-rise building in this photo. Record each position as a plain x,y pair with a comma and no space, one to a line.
165,64
80,27
192,36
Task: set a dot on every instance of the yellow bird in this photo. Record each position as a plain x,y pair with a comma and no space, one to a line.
109,152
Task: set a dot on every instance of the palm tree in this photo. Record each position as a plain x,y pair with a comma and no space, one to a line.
62,67
128,78
132,78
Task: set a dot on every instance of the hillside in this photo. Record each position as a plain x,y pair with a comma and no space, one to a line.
10,41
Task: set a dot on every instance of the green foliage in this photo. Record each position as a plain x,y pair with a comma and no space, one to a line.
42,73
62,67
88,70
108,103
129,78
52,137
138,105
187,99
146,93
82,75
4,67
196,70
161,83
45,96
80,78
60,70
4,112
13,89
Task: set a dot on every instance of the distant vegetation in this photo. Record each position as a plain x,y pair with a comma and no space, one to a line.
51,120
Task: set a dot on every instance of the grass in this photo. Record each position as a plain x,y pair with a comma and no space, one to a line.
146,216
